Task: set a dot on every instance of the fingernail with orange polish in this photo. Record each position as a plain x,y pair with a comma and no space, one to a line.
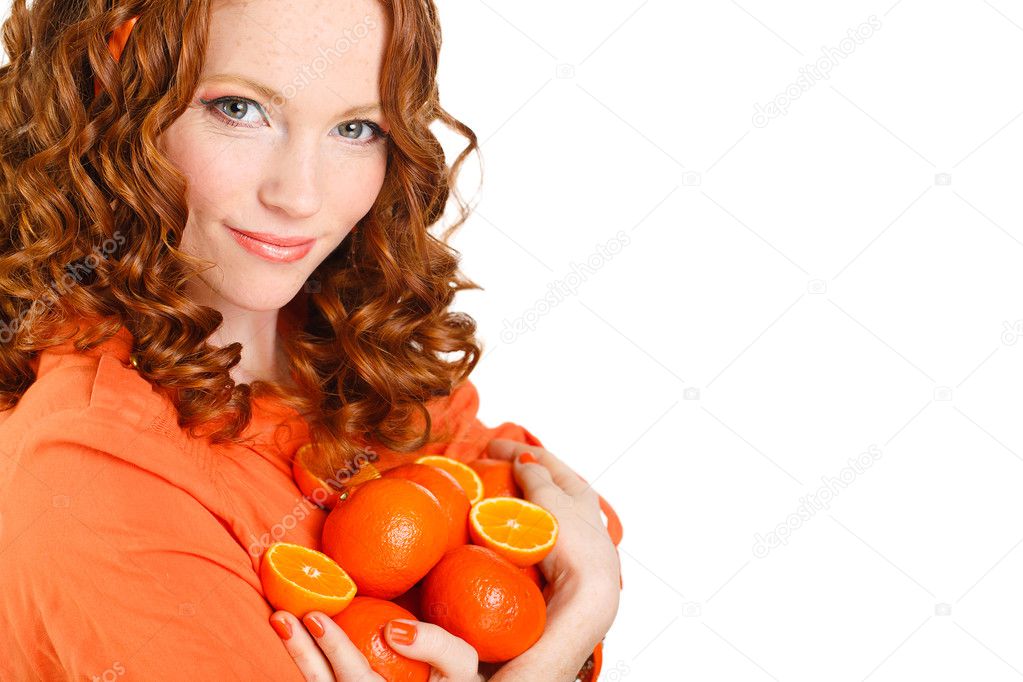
282,628
401,632
313,625
527,458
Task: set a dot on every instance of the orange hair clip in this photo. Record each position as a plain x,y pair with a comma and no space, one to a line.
117,40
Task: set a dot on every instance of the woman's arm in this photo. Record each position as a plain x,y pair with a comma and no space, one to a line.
592,553
109,570
583,570
584,579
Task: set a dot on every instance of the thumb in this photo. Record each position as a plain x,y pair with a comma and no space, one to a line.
451,656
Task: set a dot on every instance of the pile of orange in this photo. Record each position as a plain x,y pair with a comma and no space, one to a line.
436,539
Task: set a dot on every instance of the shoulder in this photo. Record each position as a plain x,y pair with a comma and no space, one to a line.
93,437
91,411
462,435
463,402
94,400
102,514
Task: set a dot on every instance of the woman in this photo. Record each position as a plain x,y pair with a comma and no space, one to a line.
215,248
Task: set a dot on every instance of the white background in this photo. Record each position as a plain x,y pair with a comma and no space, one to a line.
716,292
842,280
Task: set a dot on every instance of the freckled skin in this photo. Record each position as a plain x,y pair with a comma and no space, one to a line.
292,167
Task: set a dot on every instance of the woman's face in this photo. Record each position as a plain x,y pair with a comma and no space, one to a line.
302,165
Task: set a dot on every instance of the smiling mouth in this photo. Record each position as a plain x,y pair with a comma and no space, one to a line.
273,240
258,244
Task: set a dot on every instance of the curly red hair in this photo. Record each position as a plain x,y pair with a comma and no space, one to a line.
91,213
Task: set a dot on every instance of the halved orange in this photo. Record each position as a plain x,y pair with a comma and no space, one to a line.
466,477
520,531
323,490
300,580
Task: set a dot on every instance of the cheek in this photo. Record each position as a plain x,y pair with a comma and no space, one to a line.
352,190
212,168
223,173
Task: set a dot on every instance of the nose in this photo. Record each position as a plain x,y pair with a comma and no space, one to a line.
292,181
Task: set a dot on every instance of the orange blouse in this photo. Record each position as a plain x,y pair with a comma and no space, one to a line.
128,548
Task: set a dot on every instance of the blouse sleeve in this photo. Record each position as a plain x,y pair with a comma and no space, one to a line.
109,571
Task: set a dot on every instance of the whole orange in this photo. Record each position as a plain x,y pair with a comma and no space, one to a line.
448,492
387,535
477,595
409,599
363,621
498,479
534,574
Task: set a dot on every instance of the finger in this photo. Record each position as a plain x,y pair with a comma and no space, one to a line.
538,485
454,658
302,647
544,486
561,473
347,661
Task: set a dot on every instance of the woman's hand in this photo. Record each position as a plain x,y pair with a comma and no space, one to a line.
583,570
324,653
584,553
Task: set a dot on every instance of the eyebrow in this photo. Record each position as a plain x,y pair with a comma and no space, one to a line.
269,93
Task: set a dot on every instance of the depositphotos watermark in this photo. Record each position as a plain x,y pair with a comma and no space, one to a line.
811,74
560,289
325,60
110,674
814,502
75,273
305,505
1011,332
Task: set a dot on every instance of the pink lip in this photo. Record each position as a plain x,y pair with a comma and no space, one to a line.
272,239
272,248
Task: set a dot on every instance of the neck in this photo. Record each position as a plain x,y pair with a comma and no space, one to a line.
262,352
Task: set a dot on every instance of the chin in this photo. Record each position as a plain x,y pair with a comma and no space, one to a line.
273,293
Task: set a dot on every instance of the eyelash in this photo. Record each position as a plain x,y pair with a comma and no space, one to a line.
213,106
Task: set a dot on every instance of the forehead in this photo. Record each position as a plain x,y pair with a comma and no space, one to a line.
309,51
